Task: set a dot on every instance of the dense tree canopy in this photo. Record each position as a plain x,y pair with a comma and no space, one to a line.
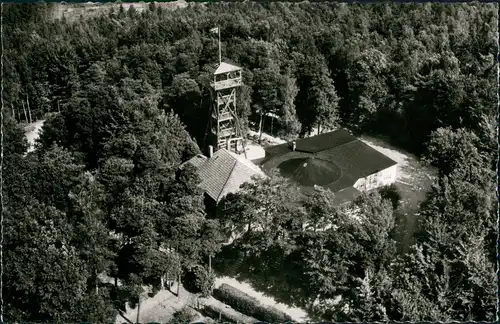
125,100
400,69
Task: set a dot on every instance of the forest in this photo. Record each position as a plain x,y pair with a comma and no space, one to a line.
125,100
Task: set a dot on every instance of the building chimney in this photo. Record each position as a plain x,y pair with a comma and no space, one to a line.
294,145
210,151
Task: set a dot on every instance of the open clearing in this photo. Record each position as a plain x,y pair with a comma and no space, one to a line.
32,132
414,179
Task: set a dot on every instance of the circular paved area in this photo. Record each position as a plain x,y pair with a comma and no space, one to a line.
310,171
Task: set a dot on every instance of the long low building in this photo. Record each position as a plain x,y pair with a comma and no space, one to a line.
336,160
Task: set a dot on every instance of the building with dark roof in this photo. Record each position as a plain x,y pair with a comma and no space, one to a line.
221,173
336,160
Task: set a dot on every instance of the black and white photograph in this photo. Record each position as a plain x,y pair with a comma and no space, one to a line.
249,162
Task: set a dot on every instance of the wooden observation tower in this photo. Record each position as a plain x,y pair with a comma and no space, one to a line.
224,121
224,124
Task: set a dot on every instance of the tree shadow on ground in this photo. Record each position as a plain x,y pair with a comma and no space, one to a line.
273,275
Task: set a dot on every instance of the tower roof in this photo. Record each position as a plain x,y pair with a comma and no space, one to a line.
226,67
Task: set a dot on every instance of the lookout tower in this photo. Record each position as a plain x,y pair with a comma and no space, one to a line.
224,125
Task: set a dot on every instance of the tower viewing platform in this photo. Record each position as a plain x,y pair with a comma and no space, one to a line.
224,124
226,76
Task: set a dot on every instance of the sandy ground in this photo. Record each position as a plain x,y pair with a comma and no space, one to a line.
267,137
32,131
408,164
159,308
297,314
164,304
254,151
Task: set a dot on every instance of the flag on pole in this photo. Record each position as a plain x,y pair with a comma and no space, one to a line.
217,31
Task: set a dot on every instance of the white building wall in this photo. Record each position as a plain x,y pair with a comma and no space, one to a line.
376,180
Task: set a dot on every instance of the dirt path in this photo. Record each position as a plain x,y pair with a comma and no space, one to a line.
297,314
229,310
267,138
161,307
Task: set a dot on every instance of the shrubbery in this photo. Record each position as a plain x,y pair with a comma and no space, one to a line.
249,305
214,312
392,193
183,316
198,280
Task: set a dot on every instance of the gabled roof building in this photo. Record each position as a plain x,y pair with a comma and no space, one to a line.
223,172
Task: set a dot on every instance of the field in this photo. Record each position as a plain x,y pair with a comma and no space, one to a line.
74,10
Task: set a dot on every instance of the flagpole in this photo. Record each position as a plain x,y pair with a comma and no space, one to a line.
220,57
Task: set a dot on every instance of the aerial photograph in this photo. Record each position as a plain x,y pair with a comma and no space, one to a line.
244,162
